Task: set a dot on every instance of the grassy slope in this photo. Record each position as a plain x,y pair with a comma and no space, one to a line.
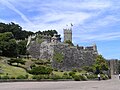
11,70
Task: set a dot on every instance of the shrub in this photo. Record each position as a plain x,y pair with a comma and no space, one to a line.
91,76
80,78
83,78
12,77
5,77
71,74
55,69
40,70
61,70
104,77
55,77
21,77
26,76
66,77
74,70
39,77
88,68
65,73
76,78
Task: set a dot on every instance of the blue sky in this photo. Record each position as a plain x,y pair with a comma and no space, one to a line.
94,21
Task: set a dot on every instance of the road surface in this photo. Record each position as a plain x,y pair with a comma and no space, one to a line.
113,84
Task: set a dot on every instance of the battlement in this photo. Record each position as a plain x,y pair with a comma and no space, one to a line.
67,31
67,34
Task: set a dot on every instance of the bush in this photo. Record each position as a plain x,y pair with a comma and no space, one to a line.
88,69
26,76
74,70
55,77
71,74
76,78
21,77
66,77
91,76
37,77
61,70
65,73
104,77
80,78
12,77
40,70
83,78
5,77
55,69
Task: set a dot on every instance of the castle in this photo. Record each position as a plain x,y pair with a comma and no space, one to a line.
62,55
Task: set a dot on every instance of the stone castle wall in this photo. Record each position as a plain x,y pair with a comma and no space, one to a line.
113,65
73,57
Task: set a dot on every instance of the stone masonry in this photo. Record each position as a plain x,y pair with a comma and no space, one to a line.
72,56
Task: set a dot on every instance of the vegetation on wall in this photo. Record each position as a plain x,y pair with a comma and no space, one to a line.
69,42
58,57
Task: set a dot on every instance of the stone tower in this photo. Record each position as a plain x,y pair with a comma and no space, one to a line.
68,34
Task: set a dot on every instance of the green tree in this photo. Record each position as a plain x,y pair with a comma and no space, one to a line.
100,64
8,45
22,50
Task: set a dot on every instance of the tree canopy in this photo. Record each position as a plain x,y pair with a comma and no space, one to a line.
100,64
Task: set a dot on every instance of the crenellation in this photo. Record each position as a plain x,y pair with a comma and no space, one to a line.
73,56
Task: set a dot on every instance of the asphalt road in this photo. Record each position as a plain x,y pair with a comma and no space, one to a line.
113,84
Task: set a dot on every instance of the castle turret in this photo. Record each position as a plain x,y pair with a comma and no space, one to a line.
95,48
56,38
68,34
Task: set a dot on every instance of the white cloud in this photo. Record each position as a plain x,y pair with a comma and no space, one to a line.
88,17
10,6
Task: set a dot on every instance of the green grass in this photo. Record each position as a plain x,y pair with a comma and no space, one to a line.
12,71
9,70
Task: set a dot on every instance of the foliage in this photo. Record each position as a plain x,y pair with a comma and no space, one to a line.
40,70
91,76
5,77
15,29
58,57
72,74
22,47
55,77
48,32
21,77
80,78
8,45
16,60
104,77
74,70
100,64
88,68
37,77
69,42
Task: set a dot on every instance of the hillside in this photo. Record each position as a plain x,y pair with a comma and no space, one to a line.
12,71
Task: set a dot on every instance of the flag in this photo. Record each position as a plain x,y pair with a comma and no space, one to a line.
71,24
